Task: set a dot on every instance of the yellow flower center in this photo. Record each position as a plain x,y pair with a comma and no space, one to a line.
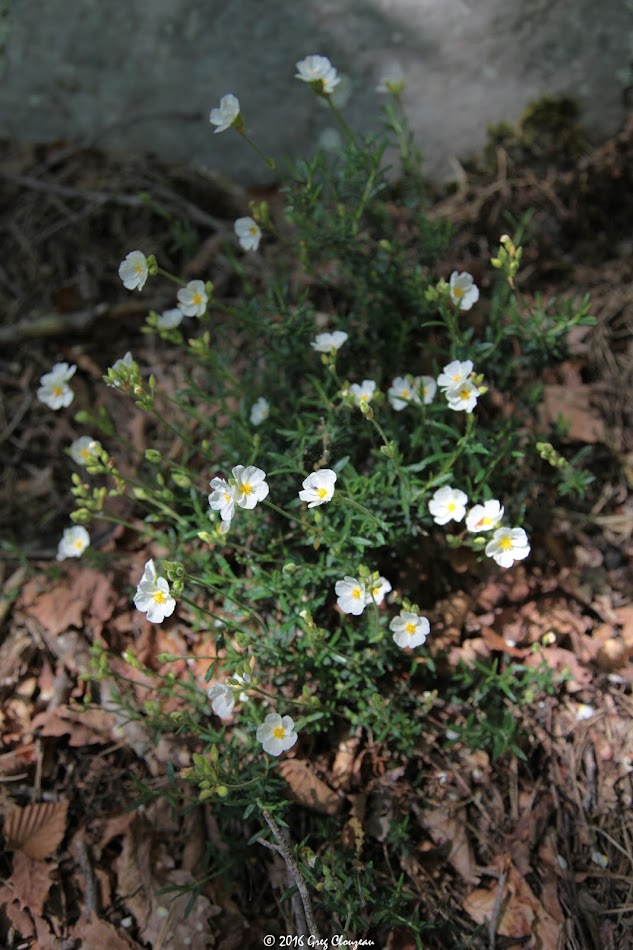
464,393
484,521
451,506
457,377
279,732
58,390
321,492
247,488
197,299
227,497
85,453
357,593
138,268
506,544
159,597
410,628
405,393
458,292
253,230
79,544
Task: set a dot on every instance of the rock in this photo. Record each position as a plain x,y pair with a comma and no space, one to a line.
128,74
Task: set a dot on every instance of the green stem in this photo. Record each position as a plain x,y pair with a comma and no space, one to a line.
344,127
249,611
268,159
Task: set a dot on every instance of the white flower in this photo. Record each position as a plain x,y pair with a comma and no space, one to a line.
124,366
462,397
260,410
249,233
392,80
454,373
326,342
583,711
170,319
193,299
237,682
403,391
364,392
251,486
225,116
82,450
409,630
74,542
463,289
133,270
485,517
318,487
222,699
222,499
152,595
448,504
427,387
318,69
351,596
54,390
507,546
376,591
276,734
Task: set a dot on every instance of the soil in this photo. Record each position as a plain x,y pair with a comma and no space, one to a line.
504,853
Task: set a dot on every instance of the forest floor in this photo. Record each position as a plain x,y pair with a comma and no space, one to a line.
508,853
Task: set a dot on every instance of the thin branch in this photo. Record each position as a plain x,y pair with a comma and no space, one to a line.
283,848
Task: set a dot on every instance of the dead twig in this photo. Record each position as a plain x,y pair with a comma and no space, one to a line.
283,848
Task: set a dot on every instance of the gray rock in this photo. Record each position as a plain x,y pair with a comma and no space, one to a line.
143,74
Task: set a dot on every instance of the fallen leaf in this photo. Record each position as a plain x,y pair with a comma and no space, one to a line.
36,830
521,915
573,403
84,727
94,932
308,789
448,827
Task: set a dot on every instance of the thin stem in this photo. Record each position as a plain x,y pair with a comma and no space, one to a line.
283,848
268,159
344,127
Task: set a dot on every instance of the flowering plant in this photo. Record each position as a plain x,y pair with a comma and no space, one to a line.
300,571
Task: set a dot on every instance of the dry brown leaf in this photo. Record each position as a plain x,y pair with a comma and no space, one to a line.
85,727
343,766
308,789
574,404
94,932
19,918
560,660
36,830
521,914
448,827
81,595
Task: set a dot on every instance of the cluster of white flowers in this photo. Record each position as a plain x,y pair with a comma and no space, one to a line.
319,72
54,390
124,367
411,390
454,381
277,733
353,595
507,545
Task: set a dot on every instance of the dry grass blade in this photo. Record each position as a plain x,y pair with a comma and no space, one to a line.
36,830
